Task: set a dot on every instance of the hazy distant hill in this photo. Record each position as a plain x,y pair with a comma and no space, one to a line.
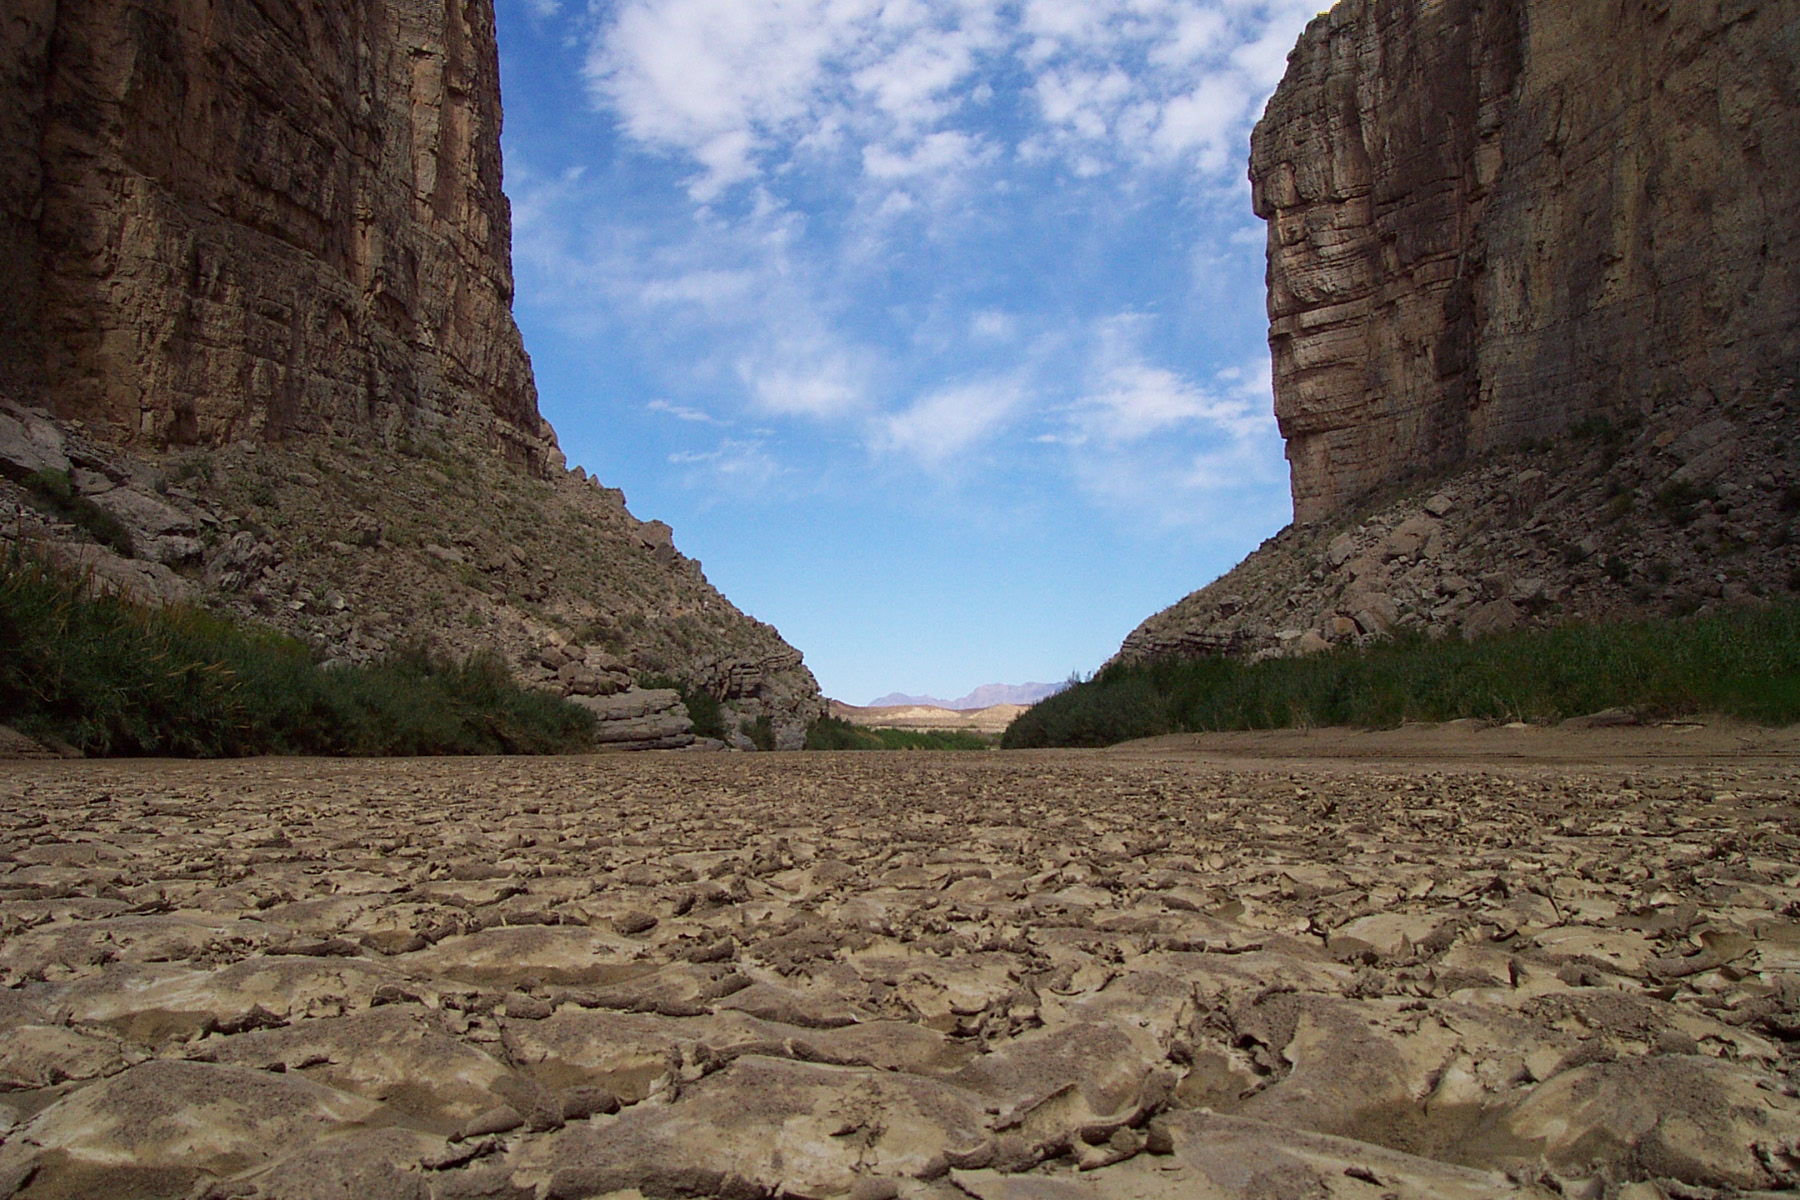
985,696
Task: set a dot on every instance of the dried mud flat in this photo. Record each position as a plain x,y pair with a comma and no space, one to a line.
1178,970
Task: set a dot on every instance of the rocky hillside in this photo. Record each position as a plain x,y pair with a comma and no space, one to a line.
1532,316
255,302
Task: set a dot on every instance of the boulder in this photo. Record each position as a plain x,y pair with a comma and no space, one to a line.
1496,616
29,444
1373,612
640,719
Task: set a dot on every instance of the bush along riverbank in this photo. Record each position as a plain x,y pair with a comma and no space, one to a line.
109,676
1744,664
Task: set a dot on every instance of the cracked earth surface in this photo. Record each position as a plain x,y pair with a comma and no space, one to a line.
1012,976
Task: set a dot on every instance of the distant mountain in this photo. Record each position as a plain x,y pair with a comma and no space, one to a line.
985,696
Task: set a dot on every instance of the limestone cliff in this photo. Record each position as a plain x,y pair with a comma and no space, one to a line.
231,219
1491,219
255,302
1534,306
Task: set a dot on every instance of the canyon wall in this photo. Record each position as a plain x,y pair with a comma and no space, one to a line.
256,310
1490,219
226,219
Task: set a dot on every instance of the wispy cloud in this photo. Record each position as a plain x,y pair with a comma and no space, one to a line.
736,468
865,231
1137,401
744,88
682,413
947,423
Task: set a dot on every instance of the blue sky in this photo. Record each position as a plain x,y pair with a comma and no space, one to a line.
934,327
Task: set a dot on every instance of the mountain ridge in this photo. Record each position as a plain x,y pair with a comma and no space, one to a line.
985,696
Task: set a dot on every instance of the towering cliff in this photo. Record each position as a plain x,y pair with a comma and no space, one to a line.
255,306
1490,219
1534,310
229,219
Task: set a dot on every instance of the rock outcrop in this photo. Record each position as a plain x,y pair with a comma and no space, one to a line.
1491,219
255,322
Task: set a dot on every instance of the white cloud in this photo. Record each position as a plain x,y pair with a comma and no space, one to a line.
934,154
736,467
708,288
950,422
1137,400
811,382
682,412
730,83
815,136
1168,448
992,325
743,88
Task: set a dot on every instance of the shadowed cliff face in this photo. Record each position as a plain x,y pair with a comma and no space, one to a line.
230,219
1489,219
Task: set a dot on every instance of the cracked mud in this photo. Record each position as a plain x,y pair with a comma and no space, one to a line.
1009,976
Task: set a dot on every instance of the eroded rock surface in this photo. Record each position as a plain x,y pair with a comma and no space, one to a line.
1014,977
1490,219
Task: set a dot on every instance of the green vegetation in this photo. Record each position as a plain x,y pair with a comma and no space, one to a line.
1745,664
54,492
761,732
110,676
702,706
830,733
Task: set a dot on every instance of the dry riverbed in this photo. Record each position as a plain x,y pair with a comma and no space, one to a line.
1193,969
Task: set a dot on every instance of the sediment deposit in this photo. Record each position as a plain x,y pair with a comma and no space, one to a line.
1020,976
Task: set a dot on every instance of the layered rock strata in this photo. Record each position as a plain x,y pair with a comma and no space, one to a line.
929,977
1491,219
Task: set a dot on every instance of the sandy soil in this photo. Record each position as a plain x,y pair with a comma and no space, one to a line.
1419,964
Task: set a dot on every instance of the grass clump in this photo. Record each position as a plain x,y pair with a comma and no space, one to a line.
1744,664
110,676
833,733
53,492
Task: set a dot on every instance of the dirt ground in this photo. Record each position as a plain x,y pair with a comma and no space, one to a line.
1456,962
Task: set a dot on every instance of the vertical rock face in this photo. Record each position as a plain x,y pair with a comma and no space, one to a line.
227,219
1489,219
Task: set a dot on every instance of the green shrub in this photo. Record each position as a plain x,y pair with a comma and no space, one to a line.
1745,664
831,733
110,676
703,708
760,731
1678,502
54,492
